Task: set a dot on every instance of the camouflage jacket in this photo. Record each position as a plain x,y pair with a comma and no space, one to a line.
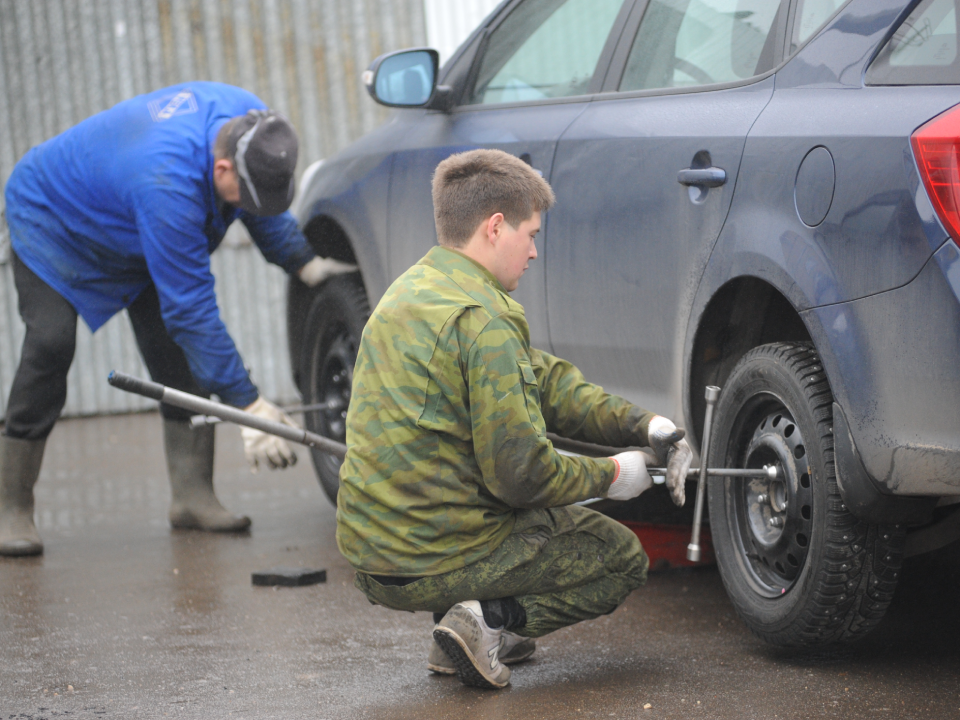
446,429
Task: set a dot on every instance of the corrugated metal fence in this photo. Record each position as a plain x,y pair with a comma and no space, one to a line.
63,60
449,22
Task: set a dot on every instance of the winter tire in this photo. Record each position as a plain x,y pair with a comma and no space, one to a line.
331,338
798,567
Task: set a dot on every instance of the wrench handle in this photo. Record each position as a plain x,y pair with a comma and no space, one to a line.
693,549
196,404
135,385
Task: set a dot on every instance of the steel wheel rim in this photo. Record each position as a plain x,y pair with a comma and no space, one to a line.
773,519
332,383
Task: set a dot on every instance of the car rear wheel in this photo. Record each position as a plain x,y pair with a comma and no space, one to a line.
331,338
798,567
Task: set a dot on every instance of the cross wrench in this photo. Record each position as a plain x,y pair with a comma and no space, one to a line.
693,549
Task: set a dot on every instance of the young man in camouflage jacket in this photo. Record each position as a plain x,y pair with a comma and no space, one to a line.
452,499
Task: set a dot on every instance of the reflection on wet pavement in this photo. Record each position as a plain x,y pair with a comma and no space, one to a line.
125,618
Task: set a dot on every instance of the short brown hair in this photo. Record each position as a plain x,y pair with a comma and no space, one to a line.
471,186
223,149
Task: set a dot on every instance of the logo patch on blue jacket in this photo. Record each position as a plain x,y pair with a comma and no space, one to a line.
165,108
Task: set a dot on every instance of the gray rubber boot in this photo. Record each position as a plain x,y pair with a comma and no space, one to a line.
193,503
19,468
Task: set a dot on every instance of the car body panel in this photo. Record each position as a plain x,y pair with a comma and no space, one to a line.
878,235
873,238
529,131
350,189
839,54
626,243
893,368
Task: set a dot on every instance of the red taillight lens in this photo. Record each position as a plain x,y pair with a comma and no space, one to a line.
937,149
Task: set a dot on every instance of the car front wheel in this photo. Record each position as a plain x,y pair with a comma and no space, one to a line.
331,339
800,569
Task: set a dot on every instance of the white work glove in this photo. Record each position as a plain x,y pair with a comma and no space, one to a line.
260,447
666,441
319,269
632,477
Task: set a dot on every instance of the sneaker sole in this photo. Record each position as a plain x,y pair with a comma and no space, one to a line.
448,670
462,659
441,669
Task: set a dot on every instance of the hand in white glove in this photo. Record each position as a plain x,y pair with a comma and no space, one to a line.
666,440
632,477
260,447
319,269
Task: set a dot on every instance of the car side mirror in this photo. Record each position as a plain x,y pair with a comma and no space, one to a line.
407,79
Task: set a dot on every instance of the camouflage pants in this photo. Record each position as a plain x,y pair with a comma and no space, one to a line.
563,565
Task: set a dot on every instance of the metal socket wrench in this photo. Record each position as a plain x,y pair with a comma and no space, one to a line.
693,549
769,472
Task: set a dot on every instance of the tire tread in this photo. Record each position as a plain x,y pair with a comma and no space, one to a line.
341,298
861,563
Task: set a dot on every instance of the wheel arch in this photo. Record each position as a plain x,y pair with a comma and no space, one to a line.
743,313
746,312
328,238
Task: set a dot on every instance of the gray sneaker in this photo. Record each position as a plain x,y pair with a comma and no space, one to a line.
472,646
513,649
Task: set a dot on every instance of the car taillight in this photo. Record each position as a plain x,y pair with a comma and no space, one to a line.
937,149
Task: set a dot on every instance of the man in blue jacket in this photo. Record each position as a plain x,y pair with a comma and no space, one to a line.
122,212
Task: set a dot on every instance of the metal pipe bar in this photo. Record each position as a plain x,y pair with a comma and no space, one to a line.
200,420
305,408
767,472
200,405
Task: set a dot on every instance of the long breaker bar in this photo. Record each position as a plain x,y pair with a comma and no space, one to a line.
200,405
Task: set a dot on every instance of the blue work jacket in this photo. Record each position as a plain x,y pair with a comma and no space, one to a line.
126,198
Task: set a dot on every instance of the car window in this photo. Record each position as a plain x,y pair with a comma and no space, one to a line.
683,43
811,16
923,50
544,49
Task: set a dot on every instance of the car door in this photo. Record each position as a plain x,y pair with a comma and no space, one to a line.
536,67
644,179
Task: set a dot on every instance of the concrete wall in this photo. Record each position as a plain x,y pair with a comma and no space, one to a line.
63,60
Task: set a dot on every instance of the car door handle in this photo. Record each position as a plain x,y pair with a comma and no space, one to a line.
710,177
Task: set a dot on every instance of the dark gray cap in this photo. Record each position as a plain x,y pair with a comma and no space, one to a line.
264,146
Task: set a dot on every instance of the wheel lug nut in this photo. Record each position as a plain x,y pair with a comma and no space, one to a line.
776,522
761,498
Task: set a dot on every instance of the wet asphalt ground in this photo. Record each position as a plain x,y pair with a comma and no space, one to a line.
124,618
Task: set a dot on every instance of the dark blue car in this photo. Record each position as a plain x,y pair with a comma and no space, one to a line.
758,194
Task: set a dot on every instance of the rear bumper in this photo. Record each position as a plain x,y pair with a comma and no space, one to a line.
893,360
